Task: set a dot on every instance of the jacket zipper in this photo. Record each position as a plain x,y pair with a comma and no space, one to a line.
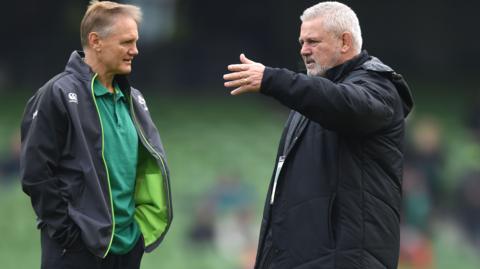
106,168
280,163
155,154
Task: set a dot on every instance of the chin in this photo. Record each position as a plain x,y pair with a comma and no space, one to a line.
314,73
125,71
318,70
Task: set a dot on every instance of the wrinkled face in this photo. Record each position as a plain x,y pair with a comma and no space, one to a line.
119,47
320,48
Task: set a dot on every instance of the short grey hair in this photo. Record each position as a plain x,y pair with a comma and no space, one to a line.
101,15
338,18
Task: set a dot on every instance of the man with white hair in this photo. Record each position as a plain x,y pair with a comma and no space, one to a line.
91,157
335,193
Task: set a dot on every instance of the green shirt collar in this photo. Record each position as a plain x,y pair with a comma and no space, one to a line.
101,90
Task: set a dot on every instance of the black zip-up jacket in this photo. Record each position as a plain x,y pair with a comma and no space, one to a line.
336,201
63,168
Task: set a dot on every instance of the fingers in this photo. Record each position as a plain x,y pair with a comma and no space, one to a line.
238,91
236,83
238,67
245,60
235,76
236,79
244,77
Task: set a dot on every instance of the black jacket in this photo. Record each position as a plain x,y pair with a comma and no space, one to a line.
62,165
337,198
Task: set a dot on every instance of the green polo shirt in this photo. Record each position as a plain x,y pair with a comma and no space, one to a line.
121,156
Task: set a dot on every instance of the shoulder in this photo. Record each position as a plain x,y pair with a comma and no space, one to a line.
374,76
47,90
373,71
54,92
375,65
57,84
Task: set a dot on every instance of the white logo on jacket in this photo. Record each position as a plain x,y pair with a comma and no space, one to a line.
72,97
142,102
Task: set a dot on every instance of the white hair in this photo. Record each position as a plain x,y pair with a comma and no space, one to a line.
337,18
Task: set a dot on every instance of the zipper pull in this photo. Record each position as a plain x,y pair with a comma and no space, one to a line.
281,160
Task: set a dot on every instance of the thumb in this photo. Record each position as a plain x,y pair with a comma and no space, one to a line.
245,60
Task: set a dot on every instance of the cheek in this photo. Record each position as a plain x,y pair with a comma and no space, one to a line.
108,56
323,53
319,54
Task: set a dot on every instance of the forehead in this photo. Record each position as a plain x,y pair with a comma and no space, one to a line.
313,27
124,25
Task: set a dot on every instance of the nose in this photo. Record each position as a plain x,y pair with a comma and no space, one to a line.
134,50
305,50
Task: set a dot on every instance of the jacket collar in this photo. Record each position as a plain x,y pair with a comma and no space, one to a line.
336,73
77,66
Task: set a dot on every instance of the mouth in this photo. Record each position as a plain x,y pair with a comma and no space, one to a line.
309,62
310,65
128,61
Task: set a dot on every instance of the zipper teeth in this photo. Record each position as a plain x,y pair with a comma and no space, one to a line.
157,155
106,168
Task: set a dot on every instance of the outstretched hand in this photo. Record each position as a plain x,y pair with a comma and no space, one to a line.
244,77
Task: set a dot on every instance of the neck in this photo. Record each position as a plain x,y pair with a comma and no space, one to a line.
350,55
104,77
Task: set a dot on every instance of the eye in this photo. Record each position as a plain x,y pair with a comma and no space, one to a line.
309,42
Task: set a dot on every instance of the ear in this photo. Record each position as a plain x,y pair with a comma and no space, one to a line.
94,41
347,42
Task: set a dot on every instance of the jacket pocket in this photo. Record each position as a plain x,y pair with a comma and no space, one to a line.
77,246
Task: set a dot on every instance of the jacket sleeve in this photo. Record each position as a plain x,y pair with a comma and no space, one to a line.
43,130
360,105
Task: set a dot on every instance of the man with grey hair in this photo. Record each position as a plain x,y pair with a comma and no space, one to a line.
335,193
92,160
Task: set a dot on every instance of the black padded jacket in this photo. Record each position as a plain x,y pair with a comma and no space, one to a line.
336,201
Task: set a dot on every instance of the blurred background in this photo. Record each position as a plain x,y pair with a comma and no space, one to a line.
221,149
